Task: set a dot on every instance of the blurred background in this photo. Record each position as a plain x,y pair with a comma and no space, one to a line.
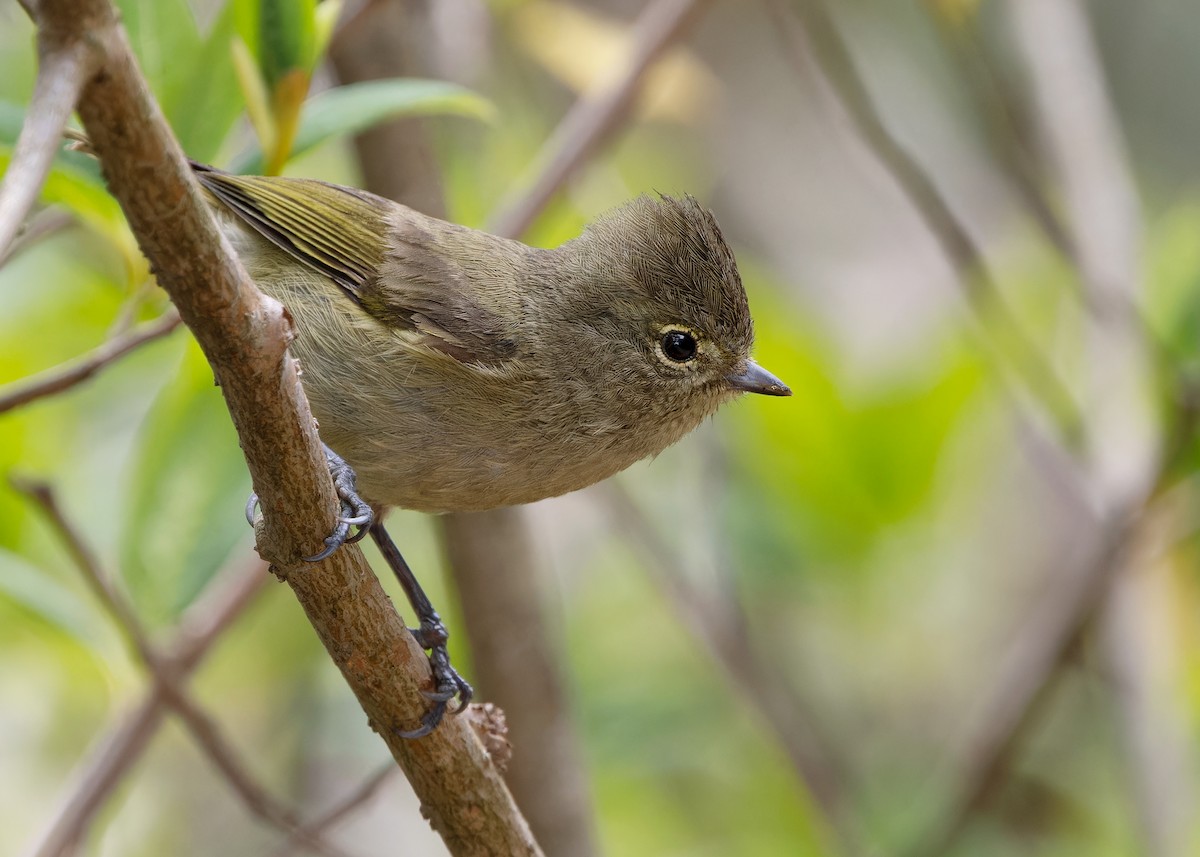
944,600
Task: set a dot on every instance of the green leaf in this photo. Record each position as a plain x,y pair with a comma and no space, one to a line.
189,488
288,37
324,23
86,197
38,592
12,117
190,73
164,37
356,107
254,92
202,102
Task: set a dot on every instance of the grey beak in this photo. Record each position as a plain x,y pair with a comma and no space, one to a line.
755,379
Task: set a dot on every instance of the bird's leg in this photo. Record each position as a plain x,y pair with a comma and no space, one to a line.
355,512
431,634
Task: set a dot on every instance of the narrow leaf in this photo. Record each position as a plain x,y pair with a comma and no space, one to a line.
356,107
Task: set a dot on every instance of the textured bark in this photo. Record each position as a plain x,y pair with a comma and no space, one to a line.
245,337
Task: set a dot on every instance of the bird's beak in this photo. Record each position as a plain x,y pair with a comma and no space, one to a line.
755,379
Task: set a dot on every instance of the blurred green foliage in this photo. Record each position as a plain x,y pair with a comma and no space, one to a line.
882,533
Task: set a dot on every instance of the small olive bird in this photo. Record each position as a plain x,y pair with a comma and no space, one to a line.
453,370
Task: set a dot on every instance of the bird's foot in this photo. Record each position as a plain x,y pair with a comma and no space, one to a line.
432,635
355,512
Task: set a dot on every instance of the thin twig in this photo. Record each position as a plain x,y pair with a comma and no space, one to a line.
114,603
45,223
1007,125
592,119
811,32
782,710
245,336
62,72
202,727
68,375
255,797
347,806
1009,136
96,778
115,753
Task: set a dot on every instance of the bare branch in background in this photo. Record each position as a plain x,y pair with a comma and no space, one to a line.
114,604
593,118
1082,134
1007,124
63,69
1085,147
1083,139
257,799
515,663
1102,234
40,226
64,377
814,43
245,337
114,754
519,666
721,635
353,802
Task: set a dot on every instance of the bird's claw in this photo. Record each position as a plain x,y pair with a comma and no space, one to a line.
450,685
355,511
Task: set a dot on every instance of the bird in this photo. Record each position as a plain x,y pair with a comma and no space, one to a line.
455,370
451,370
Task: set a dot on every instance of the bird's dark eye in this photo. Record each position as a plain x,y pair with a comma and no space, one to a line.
678,345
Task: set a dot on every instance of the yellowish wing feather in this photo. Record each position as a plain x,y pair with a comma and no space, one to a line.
337,231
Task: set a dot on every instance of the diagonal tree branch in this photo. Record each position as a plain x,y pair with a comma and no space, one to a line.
61,378
202,727
63,69
722,636
244,336
115,753
592,119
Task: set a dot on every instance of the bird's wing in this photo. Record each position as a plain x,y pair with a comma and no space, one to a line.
383,260
300,215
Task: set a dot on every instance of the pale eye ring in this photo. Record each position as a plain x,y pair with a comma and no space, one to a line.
678,346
